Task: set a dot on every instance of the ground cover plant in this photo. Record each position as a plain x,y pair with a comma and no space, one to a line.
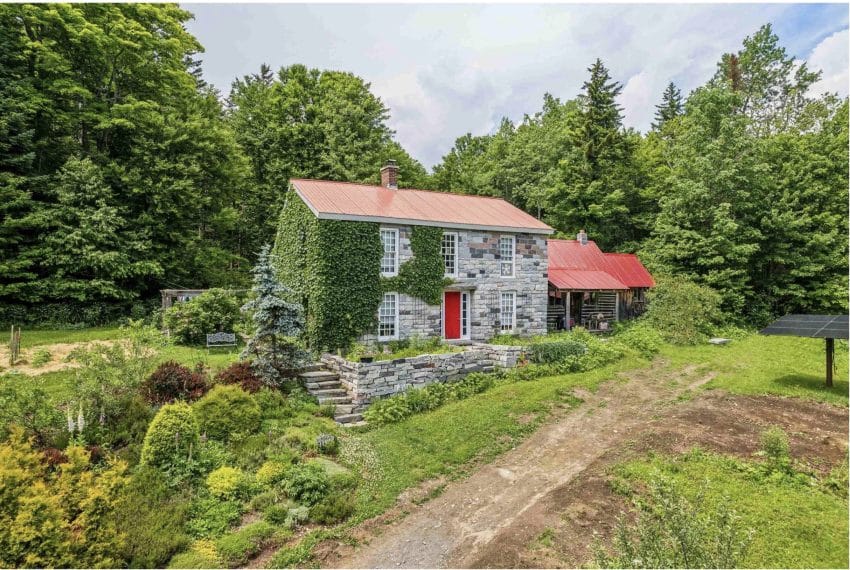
787,515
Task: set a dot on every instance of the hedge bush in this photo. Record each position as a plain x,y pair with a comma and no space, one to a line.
171,438
227,411
237,548
173,381
215,310
642,338
547,352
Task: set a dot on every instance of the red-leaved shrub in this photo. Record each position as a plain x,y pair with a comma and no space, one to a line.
54,457
173,381
240,373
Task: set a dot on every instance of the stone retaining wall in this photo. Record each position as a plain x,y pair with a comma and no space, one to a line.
367,381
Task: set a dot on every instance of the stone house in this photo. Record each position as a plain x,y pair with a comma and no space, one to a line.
494,254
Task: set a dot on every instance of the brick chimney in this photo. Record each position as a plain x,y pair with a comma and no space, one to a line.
389,175
582,237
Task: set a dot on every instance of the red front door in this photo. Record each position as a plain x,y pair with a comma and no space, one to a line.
451,314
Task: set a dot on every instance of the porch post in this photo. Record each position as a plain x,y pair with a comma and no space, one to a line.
616,306
566,310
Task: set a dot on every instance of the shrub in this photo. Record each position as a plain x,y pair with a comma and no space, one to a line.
333,508
152,517
296,515
170,440
387,411
552,351
173,381
211,517
641,338
213,454
227,411
306,483
327,443
215,310
271,473
235,549
775,448
672,532
40,357
29,406
203,554
276,514
242,374
682,311
226,482
273,405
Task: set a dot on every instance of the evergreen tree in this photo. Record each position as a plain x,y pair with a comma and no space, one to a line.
670,107
278,323
595,189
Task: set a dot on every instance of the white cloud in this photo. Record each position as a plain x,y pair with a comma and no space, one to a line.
444,70
831,57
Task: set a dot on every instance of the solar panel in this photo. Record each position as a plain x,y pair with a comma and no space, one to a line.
812,326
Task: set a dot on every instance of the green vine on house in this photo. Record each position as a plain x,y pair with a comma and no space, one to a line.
334,268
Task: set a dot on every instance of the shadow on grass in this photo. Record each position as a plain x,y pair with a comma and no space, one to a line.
813,383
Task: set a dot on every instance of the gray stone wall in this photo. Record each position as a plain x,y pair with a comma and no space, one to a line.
479,274
369,381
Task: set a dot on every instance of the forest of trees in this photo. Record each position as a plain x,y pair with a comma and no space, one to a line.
123,172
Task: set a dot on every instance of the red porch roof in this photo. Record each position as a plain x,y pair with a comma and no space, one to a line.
348,201
586,268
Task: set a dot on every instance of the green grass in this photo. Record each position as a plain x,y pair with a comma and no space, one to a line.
30,338
796,525
440,442
784,366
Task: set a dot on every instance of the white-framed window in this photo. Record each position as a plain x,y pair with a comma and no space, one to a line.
449,251
388,317
389,261
507,253
464,315
507,312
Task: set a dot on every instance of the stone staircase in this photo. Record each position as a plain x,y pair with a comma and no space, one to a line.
326,387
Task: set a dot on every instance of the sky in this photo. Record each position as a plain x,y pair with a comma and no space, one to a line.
447,69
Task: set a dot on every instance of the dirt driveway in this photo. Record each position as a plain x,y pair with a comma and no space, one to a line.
490,518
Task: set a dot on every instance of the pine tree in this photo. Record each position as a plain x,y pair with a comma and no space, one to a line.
670,107
275,345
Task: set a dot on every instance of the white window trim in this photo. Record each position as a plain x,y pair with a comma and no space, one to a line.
513,314
394,272
513,258
457,241
382,338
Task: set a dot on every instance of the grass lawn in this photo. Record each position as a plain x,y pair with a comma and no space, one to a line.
481,427
784,366
796,525
38,337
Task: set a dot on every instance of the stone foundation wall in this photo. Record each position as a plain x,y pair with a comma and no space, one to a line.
368,381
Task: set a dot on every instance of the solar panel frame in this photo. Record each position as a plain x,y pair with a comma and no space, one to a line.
810,326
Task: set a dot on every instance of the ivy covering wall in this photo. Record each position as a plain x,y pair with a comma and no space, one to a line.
334,267
421,276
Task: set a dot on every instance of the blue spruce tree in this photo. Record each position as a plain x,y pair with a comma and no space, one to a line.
278,323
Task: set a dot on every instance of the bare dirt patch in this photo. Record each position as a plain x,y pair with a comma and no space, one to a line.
59,360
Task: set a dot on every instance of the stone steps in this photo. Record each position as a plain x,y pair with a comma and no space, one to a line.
328,390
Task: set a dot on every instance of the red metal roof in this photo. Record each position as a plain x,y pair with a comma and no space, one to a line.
584,279
347,201
630,270
576,266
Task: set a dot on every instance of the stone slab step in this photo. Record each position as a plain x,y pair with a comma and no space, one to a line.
348,418
344,409
354,424
324,385
316,367
334,400
329,392
319,375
